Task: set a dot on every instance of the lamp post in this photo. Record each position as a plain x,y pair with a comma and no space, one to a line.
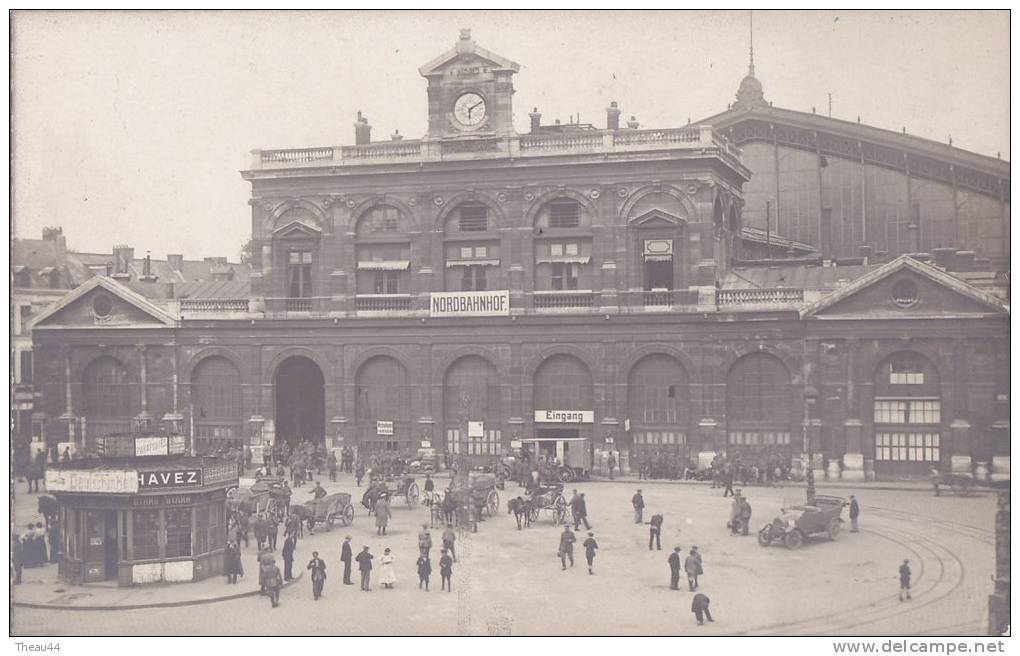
462,467
810,398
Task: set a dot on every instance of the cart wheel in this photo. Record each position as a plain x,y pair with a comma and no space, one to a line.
348,515
329,521
566,474
765,536
492,502
412,494
833,529
794,539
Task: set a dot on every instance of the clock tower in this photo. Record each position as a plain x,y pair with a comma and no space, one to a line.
470,92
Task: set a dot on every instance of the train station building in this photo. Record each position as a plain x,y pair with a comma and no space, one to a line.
573,287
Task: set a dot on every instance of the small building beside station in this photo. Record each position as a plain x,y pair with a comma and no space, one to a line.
153,516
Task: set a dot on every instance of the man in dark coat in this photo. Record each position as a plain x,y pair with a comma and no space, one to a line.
745,515
727,479
855,512
699,606
655,532
288,557
272,532
905,579
232,562
318,492
580,510
318,568
17,557
346,556
273,583
331,466
674,569
446,572
590,546
566,550
365,566
638,502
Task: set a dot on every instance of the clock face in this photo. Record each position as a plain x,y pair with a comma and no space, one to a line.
469,109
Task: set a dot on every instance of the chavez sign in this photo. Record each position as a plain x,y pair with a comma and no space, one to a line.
148,480
470,304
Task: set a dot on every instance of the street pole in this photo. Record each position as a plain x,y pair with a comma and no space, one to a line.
462,469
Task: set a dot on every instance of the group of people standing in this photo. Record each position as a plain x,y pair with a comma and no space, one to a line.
30,549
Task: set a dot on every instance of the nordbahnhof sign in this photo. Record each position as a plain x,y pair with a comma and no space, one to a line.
470,304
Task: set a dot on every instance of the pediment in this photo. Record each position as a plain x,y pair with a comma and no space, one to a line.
297,229
906,288
468,56
103,303
657,218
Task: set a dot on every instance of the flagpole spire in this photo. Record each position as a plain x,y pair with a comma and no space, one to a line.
750,68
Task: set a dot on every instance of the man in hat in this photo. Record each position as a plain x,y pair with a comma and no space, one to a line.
346,556
674,569
855,512
272,582
446,572
905,579
365,567
272,532
590,546
382,515
424,540
692,566
638,502
699,606
318,492
449,538
566,550
318,568
655,532
288,557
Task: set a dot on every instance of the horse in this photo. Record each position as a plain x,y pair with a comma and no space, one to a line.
520,507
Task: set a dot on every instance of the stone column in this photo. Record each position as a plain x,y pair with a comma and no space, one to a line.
68,417
959,429
853,427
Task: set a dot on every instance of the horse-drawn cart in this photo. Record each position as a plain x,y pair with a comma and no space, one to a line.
268,495
328,510
549,497
407,488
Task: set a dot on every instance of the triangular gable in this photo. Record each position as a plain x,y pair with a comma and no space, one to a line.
142,310
297,228
467,49
970,299
657,217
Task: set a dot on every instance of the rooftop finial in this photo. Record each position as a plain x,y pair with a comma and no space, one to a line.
750,68
465,34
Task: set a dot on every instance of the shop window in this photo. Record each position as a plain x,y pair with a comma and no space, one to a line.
202,537
178,532
145,534
72,539
759,438
299,273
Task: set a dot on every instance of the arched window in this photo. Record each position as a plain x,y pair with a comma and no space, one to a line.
657,401
563,251
563,382
107,390
759,404
384,259
907,414
471,394
382,404
297,243
472,249
216,399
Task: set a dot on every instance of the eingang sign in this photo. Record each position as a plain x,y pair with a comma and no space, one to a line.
470,304
565,416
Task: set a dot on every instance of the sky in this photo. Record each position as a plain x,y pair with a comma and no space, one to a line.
132,127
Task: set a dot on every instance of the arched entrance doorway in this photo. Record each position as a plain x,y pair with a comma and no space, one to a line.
300,401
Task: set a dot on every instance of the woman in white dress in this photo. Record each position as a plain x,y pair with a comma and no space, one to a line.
387,573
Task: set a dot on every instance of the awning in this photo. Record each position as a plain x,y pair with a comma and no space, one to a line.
384,265
458,263
658,258
555,439
565,259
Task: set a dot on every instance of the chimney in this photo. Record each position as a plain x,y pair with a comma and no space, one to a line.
613,116
965,260
396,136
865,252
362,131
944,258
170,289
147,269
632,123
123,256
536,120
216,261
175,261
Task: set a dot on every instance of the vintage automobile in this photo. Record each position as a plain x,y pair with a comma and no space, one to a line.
797,522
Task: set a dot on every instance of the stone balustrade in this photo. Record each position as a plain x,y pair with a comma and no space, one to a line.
776,296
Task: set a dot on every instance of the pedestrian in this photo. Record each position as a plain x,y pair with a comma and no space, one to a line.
17,558
449,538
611,464
288,557
727,479
331,467
244,526
736,507
855,512
232,566
261,531
359,472
580,510
936,479
699,606
40,542
590,546
566,550
674,569
430,488
365,567
655,532
387,572
318,492
273,532
745,515
273,582
346,555
318,568
424,572
692,567
905,579
446,571
294,527
382,515
424,540
638,502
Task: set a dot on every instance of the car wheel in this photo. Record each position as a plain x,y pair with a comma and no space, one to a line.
794,539
765,536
